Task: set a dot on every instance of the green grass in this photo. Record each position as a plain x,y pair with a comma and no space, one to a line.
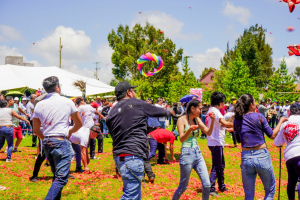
101,184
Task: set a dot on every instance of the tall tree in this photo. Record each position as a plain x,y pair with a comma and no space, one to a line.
129,45
281,81
237,80
255,52
297,74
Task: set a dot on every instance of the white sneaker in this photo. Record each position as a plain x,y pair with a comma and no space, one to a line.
8,160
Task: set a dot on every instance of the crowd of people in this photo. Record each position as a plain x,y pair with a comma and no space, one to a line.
66,129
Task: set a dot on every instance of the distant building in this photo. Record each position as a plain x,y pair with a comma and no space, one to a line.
208,78
17,60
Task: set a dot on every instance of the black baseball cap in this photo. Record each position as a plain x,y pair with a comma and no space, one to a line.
123,87
95,129
262,101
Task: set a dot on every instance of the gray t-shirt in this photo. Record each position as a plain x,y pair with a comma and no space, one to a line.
263,109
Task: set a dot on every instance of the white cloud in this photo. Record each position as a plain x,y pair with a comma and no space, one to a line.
171,26
291,62
104,53
211,58
9,33
239,13
76,47
6,51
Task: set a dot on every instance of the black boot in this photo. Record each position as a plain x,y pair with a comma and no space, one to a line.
79,169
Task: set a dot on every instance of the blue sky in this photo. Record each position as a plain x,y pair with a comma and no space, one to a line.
202,30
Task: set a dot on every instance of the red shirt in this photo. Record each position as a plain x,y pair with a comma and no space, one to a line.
163,136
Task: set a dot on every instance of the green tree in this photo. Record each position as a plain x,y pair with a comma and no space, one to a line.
297,74
129,45
255,52
237,81
281,81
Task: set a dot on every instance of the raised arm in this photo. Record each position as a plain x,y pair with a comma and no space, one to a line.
14,114
180,125
204,128
277,128
226,123
153,111
22,111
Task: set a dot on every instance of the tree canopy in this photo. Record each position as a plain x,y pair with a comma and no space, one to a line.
255,52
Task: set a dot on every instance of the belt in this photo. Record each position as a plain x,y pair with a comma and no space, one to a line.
7,126
61,137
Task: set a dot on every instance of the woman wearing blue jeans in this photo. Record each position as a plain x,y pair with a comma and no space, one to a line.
191,157
6,129
256,158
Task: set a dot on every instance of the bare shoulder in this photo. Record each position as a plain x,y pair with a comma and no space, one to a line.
182,119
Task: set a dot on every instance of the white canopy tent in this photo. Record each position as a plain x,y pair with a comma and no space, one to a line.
13,77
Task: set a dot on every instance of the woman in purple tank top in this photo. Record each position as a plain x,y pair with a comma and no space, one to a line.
255,156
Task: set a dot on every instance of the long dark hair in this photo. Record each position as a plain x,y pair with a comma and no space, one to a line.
193,103
242,105
295,109
3,103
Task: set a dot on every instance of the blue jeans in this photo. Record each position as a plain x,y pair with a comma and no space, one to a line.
7,133
154,145
77,150
59,153
23,125
105,129
131,170
163,124
191,158
253,163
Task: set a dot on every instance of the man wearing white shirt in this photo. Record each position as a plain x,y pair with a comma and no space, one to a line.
216,142
23,107
285,109
162,120
29,111
53,114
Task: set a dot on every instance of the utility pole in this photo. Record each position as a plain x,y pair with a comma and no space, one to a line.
60,47
96,74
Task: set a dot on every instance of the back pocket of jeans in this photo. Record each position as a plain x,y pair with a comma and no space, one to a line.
265,162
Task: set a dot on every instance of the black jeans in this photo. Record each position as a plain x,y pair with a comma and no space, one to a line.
39,161
218,166
233,137
174,123
92,144
148,169
34,137
100,143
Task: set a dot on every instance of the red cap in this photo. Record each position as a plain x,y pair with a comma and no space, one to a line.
94,105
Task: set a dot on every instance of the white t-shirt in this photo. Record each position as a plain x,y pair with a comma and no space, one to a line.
217,137
54,113
81,137
86,113
29,108
285,110
229,116
161,119
290,133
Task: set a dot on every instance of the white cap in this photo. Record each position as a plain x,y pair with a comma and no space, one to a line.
16,99
24,99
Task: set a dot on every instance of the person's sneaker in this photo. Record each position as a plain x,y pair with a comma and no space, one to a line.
162,163
95,158
35,157
79,169
100,151
5,151
3,188
46,165
8,160
33,146
151,179
33,179
71,176
224,190
16,150
215,194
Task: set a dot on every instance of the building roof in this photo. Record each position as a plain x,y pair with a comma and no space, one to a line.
212,70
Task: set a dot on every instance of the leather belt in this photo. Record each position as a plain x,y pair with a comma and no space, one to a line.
61,137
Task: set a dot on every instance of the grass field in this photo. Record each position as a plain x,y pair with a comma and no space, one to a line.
101,183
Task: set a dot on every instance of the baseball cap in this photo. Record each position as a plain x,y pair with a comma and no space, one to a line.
24,99
94,105
95,129
98,97
123,87
287,101
262,101
16,99
269,99
233,98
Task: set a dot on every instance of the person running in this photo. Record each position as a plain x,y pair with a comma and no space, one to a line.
191,156
216,142
53,114
127,125
16,122
255,156
80,142
86,113
22,105
6,127
29,110
289,134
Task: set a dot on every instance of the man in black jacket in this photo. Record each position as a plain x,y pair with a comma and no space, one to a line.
128,128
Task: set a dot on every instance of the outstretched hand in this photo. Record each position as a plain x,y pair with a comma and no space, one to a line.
212,115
